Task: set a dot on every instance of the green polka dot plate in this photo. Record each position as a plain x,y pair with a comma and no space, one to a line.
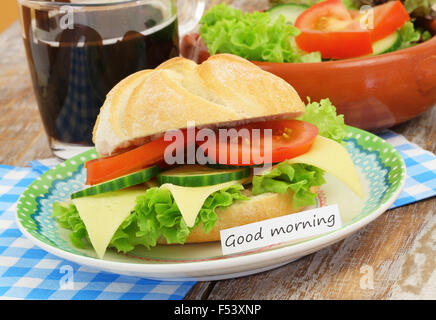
381,169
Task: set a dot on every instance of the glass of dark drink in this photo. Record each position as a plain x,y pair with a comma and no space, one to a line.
78,50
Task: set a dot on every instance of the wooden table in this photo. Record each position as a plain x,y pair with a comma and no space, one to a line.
396,251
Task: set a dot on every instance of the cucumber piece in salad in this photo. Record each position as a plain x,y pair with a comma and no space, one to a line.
388,44
290,11
199,176
123,182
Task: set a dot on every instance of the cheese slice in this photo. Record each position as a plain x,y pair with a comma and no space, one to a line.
189,200
104,213
332,157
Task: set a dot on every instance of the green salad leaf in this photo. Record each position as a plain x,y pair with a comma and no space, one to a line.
323,115
411,36
420,8
68,217
299,178
155,215
416,8
350,4
252,36
304,2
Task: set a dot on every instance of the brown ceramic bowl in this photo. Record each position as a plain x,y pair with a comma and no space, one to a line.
373,93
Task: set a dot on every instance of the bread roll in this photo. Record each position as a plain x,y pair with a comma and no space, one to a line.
225,90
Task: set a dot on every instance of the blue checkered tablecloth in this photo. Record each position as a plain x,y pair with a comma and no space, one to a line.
28,272
421,169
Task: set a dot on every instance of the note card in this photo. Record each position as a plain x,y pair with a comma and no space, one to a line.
291,227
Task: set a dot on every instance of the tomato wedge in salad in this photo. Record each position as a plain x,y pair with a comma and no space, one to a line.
289,139
387,18
327,15
339,33
328,27
336,45
433,25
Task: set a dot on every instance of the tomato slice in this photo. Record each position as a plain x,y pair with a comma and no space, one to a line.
329,27
289,139
324,16
387,18
336,45
104,169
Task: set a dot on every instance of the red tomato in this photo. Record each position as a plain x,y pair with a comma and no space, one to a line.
329,27
387,18
290,138
336,45
104,169
433,26
323,15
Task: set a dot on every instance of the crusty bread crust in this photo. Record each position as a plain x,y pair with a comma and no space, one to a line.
222,90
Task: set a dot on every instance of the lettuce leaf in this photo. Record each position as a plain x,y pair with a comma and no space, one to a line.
350,4
304,2
416,8
411,36
323,115
155,215
420,8
299,178
68,217
252,36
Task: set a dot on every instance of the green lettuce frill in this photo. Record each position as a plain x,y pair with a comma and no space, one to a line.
155,215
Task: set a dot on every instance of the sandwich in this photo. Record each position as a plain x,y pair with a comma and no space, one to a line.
186,150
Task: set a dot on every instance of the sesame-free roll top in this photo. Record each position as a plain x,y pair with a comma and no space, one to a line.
223,91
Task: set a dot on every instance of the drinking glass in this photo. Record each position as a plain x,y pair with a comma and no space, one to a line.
78,50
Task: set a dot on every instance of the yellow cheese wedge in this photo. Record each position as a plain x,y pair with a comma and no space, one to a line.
332,157
189,200
104,213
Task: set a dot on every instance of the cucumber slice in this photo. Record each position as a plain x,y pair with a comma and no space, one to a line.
391,43
290,11
123,182
199,176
